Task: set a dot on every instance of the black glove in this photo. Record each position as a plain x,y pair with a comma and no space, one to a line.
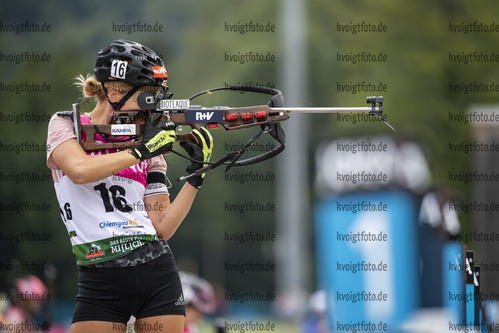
198,152
157,140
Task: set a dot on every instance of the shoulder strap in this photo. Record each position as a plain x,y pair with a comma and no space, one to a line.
69,114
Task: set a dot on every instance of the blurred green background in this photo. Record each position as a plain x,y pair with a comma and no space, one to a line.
194,42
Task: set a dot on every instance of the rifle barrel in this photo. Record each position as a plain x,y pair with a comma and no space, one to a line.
364,109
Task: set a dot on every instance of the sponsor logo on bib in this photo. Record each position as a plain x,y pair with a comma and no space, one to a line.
94,251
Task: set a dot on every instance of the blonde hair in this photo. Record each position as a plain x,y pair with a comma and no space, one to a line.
93,88
90,87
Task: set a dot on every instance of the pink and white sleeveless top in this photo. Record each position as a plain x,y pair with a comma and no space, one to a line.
106,219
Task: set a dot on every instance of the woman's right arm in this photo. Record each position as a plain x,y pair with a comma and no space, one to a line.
67,154
82,168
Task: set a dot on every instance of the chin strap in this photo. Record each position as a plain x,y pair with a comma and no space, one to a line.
118,105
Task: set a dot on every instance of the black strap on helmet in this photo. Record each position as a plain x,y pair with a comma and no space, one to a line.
118,105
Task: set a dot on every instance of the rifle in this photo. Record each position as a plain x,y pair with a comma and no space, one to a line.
123,133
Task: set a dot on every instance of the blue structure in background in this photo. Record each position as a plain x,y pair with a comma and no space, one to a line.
387,254
453,278
368,258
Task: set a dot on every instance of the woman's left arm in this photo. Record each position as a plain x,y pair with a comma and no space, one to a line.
166,217
167,220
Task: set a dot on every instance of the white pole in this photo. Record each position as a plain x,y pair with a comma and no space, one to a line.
293,218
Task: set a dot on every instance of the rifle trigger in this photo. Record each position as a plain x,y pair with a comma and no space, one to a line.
167,115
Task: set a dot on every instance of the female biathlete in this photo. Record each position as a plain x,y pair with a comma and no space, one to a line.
116,206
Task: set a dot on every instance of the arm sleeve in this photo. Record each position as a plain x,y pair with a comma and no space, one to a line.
157,163
60,129
156,177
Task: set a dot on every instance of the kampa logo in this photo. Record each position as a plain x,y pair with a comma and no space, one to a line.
159,71
117,129
204,116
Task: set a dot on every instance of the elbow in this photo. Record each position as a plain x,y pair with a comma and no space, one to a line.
79,176
165,233
165,236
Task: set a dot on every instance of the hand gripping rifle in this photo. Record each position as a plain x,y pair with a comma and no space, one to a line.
123,133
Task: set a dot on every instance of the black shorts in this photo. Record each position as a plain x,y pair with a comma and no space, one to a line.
114,294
